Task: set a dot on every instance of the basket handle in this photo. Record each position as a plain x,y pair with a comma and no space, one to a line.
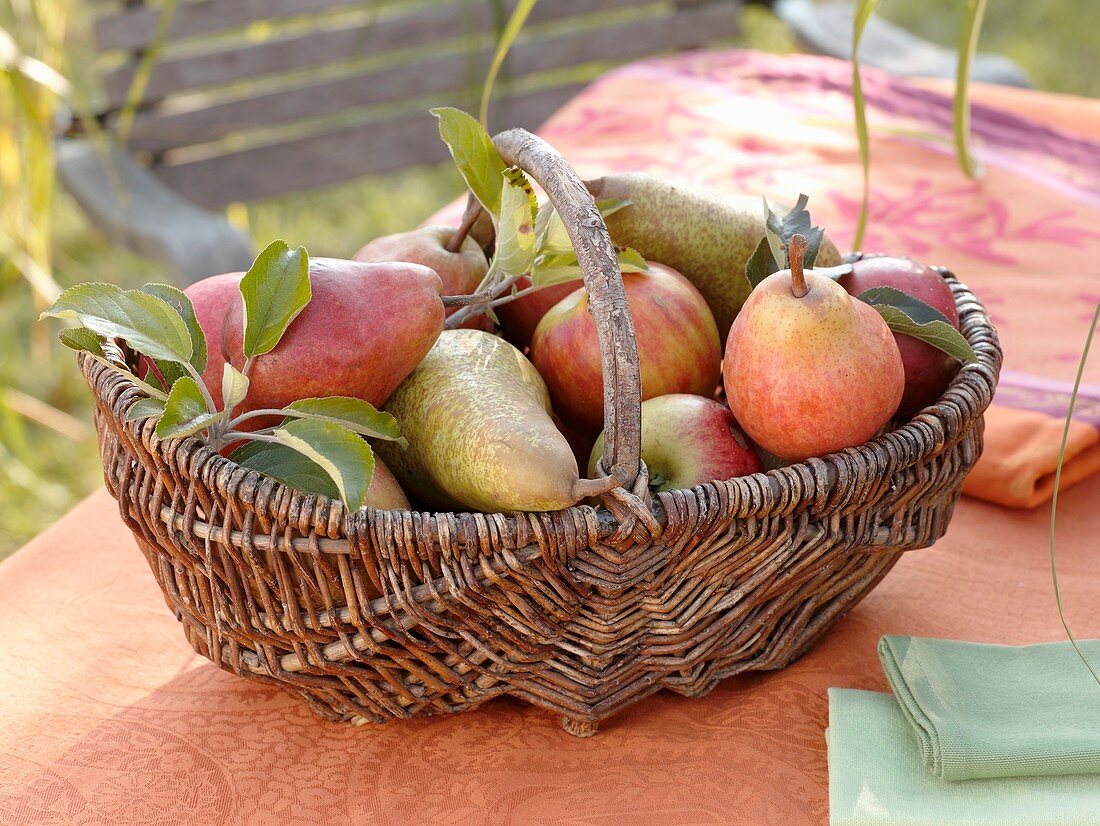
622,383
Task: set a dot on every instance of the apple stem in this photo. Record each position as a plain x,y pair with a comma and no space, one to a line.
795,251
469,218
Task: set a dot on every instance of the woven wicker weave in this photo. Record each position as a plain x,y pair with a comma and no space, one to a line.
380,615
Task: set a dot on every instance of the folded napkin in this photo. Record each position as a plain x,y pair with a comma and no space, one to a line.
997,710
1023,432
877,777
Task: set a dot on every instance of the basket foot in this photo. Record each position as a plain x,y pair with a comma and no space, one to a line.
578,727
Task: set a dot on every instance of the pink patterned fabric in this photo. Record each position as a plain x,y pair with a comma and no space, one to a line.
106,717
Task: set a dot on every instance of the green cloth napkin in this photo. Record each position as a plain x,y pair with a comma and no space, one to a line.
877,777
997,710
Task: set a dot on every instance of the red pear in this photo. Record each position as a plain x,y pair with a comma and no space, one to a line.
678,345
365,329
809,370
928,370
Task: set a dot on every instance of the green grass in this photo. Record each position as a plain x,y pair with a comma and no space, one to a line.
42,474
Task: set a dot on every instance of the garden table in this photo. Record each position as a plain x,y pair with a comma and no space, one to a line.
107,717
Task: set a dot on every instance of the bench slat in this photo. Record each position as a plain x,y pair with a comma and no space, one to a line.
441,23
161,131
339,156
135,27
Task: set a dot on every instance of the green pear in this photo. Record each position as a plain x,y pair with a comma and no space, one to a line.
704,236
476,415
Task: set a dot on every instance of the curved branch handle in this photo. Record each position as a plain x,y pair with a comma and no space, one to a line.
622,382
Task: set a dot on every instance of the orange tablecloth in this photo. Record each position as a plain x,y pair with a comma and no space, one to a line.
106,716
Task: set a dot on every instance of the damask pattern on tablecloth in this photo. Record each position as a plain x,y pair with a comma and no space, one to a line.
107,717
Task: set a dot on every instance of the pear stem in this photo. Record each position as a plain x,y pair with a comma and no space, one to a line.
469,218
795,252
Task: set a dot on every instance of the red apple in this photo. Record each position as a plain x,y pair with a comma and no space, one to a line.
928,370
678,346
461,272
687,441
519,318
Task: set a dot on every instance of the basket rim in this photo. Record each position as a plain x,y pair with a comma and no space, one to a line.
807,483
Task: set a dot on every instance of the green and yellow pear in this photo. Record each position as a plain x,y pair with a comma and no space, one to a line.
476,415
704,236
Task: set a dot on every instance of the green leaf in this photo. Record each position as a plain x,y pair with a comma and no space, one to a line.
148,324
275,289
185,412
864,10
182,305
551,237
796,221
149,389
354,414
234,387
630,260
474,154
515,250
286,465
345,456
968,46
144,408
761,264
916,309
939,334
561,268
1058,487
82,339
507,38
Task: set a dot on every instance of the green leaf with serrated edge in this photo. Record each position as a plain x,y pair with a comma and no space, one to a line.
275,289
354,414
551,270
345,456
916,309
773,236
939,334
286,465
630,260
147,388
551,237
185,412
761,264
182,305
144,408
234,387
561,268
474,154
796,221
148,324
82,339
515,250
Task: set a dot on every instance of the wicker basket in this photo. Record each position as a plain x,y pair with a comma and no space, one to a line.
382,614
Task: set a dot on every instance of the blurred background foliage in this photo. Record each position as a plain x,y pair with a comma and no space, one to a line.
48,455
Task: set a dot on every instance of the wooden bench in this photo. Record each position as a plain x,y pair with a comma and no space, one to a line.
250,99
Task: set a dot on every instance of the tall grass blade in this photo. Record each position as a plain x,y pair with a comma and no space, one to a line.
864,10
507,38
145,68
968,45
1057,484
